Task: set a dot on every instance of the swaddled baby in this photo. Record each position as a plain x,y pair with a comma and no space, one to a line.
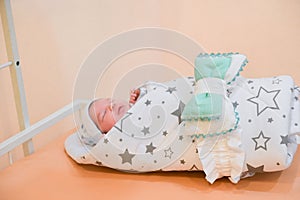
166,126
106,112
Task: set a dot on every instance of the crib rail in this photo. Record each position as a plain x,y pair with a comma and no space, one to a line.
15,71
7,64
33,130
27,131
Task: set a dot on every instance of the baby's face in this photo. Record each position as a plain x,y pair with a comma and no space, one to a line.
106,112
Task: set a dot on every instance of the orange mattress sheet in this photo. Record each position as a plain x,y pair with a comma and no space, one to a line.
51,174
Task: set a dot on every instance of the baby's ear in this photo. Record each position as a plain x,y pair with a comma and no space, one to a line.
93,114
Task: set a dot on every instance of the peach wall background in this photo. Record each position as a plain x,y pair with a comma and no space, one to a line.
56,36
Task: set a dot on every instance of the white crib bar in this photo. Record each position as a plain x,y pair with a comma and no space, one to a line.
15,71
7,64
37,128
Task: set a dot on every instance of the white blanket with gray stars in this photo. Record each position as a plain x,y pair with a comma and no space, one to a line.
150,135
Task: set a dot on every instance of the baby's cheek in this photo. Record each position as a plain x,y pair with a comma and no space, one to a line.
108,124
111,124
98,124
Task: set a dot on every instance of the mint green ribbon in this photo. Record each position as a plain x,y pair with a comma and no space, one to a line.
208,105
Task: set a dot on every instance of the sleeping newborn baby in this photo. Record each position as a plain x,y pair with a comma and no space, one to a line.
106,112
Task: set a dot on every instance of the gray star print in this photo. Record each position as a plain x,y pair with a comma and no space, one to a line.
264,100
168,153
165,133
99,163
105,140
261,141
126,157
148,102
229,92
277,81
259,169
146,130
171,89
235,104
179,111
285,140
150,148
194,167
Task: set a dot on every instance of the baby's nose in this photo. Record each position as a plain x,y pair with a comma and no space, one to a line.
109,107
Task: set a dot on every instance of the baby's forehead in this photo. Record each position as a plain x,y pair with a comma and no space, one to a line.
101,103
96,106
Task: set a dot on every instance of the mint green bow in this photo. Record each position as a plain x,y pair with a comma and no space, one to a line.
208,105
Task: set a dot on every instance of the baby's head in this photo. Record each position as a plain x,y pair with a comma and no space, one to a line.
106,112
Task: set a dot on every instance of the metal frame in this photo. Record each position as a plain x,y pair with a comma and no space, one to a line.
15,71
37,128
27,131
